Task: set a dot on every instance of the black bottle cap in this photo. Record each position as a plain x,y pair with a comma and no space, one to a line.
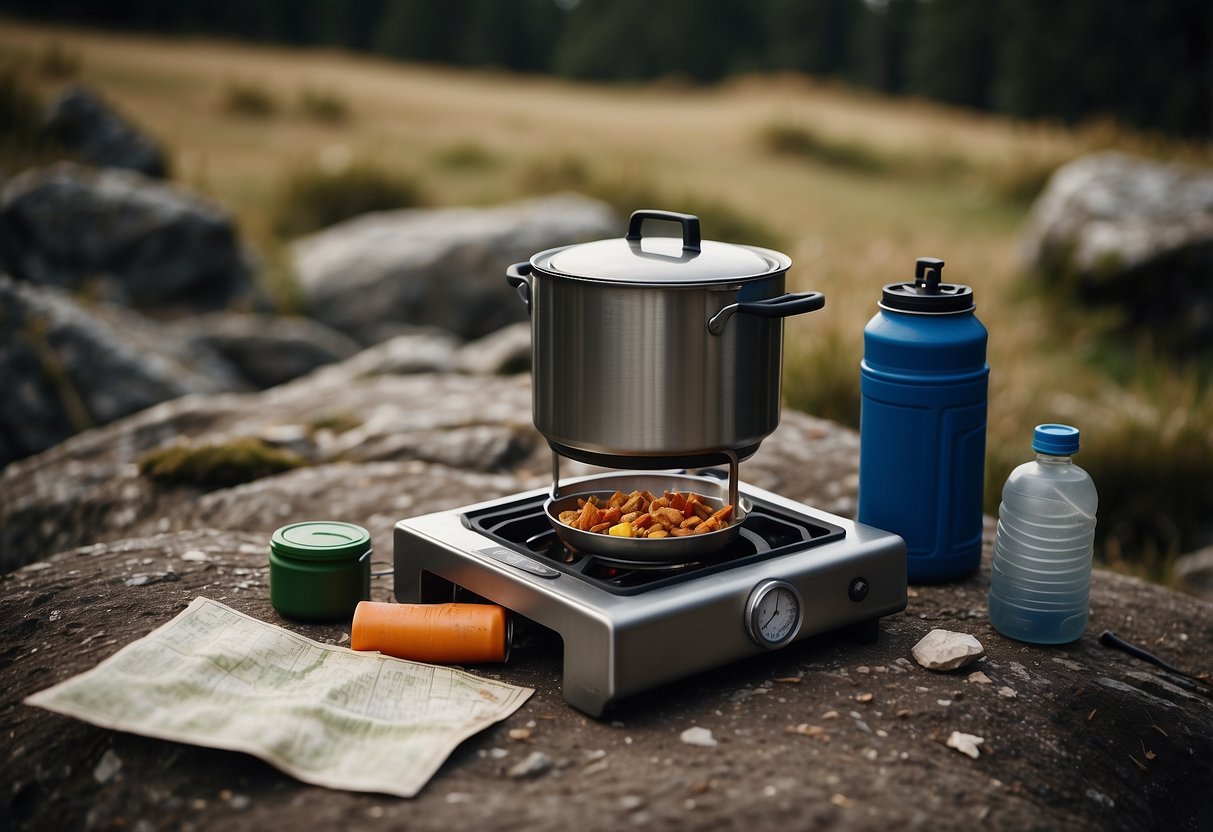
927,295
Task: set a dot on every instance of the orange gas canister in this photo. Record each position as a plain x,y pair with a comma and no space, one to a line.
434,633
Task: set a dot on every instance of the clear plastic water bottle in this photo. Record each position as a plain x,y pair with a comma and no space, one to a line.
1041,578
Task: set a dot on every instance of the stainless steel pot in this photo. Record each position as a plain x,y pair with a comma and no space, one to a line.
657,352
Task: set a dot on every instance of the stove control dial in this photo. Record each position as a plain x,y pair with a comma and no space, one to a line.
504,555
774,613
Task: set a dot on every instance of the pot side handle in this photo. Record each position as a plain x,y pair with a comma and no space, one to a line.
516,275
784,306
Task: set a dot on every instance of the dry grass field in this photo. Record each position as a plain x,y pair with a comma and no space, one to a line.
862,187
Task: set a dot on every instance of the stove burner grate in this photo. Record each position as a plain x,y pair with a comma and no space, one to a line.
523,526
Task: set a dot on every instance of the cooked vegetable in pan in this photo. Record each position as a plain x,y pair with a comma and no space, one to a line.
641,514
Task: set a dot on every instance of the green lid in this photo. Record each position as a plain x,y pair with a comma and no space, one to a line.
322,540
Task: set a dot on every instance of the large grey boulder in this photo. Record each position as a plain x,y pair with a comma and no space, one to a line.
132,238
88,127
356,423
1134,233
504,352
75,367
266,350
376,274
67,370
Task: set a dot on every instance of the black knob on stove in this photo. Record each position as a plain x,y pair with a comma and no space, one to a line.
858,590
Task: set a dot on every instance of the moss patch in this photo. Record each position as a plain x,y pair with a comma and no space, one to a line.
218,466
312,198
337,422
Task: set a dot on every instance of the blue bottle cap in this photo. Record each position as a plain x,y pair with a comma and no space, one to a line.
1058,440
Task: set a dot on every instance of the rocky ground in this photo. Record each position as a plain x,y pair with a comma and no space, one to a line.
828,733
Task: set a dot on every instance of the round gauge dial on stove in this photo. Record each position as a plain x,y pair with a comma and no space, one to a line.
774,613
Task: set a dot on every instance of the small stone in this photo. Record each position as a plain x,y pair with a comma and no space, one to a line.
978,678
143,579
698,736
498,753
536,764
520,734
631,802
107,767
842,801
863,697
1006,693
967,744
807,730
195,556
946,650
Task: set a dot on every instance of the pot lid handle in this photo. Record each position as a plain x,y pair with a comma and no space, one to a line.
689,223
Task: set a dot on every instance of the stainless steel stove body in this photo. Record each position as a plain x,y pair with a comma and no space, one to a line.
794,572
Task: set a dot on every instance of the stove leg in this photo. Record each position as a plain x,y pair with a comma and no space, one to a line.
588,681
434,589
864,632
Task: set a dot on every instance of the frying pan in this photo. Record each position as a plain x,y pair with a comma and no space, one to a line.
665,550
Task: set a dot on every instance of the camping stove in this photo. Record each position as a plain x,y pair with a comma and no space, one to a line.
793,572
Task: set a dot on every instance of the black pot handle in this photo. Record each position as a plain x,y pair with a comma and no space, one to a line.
689,222
784,306
516,276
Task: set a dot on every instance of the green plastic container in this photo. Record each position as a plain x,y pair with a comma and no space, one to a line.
320,570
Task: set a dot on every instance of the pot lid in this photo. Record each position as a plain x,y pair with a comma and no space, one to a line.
661,260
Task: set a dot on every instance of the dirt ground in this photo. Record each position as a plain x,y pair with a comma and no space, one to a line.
827,733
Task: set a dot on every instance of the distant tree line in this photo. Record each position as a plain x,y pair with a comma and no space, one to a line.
1148,63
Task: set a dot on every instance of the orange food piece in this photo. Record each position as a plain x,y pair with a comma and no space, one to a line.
590,517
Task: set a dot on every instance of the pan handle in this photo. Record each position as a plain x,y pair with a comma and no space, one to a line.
516,275
784,306
691,239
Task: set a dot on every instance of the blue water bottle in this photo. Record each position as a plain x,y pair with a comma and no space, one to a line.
922,428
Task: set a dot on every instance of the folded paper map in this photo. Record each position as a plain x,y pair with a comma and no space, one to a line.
324,714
